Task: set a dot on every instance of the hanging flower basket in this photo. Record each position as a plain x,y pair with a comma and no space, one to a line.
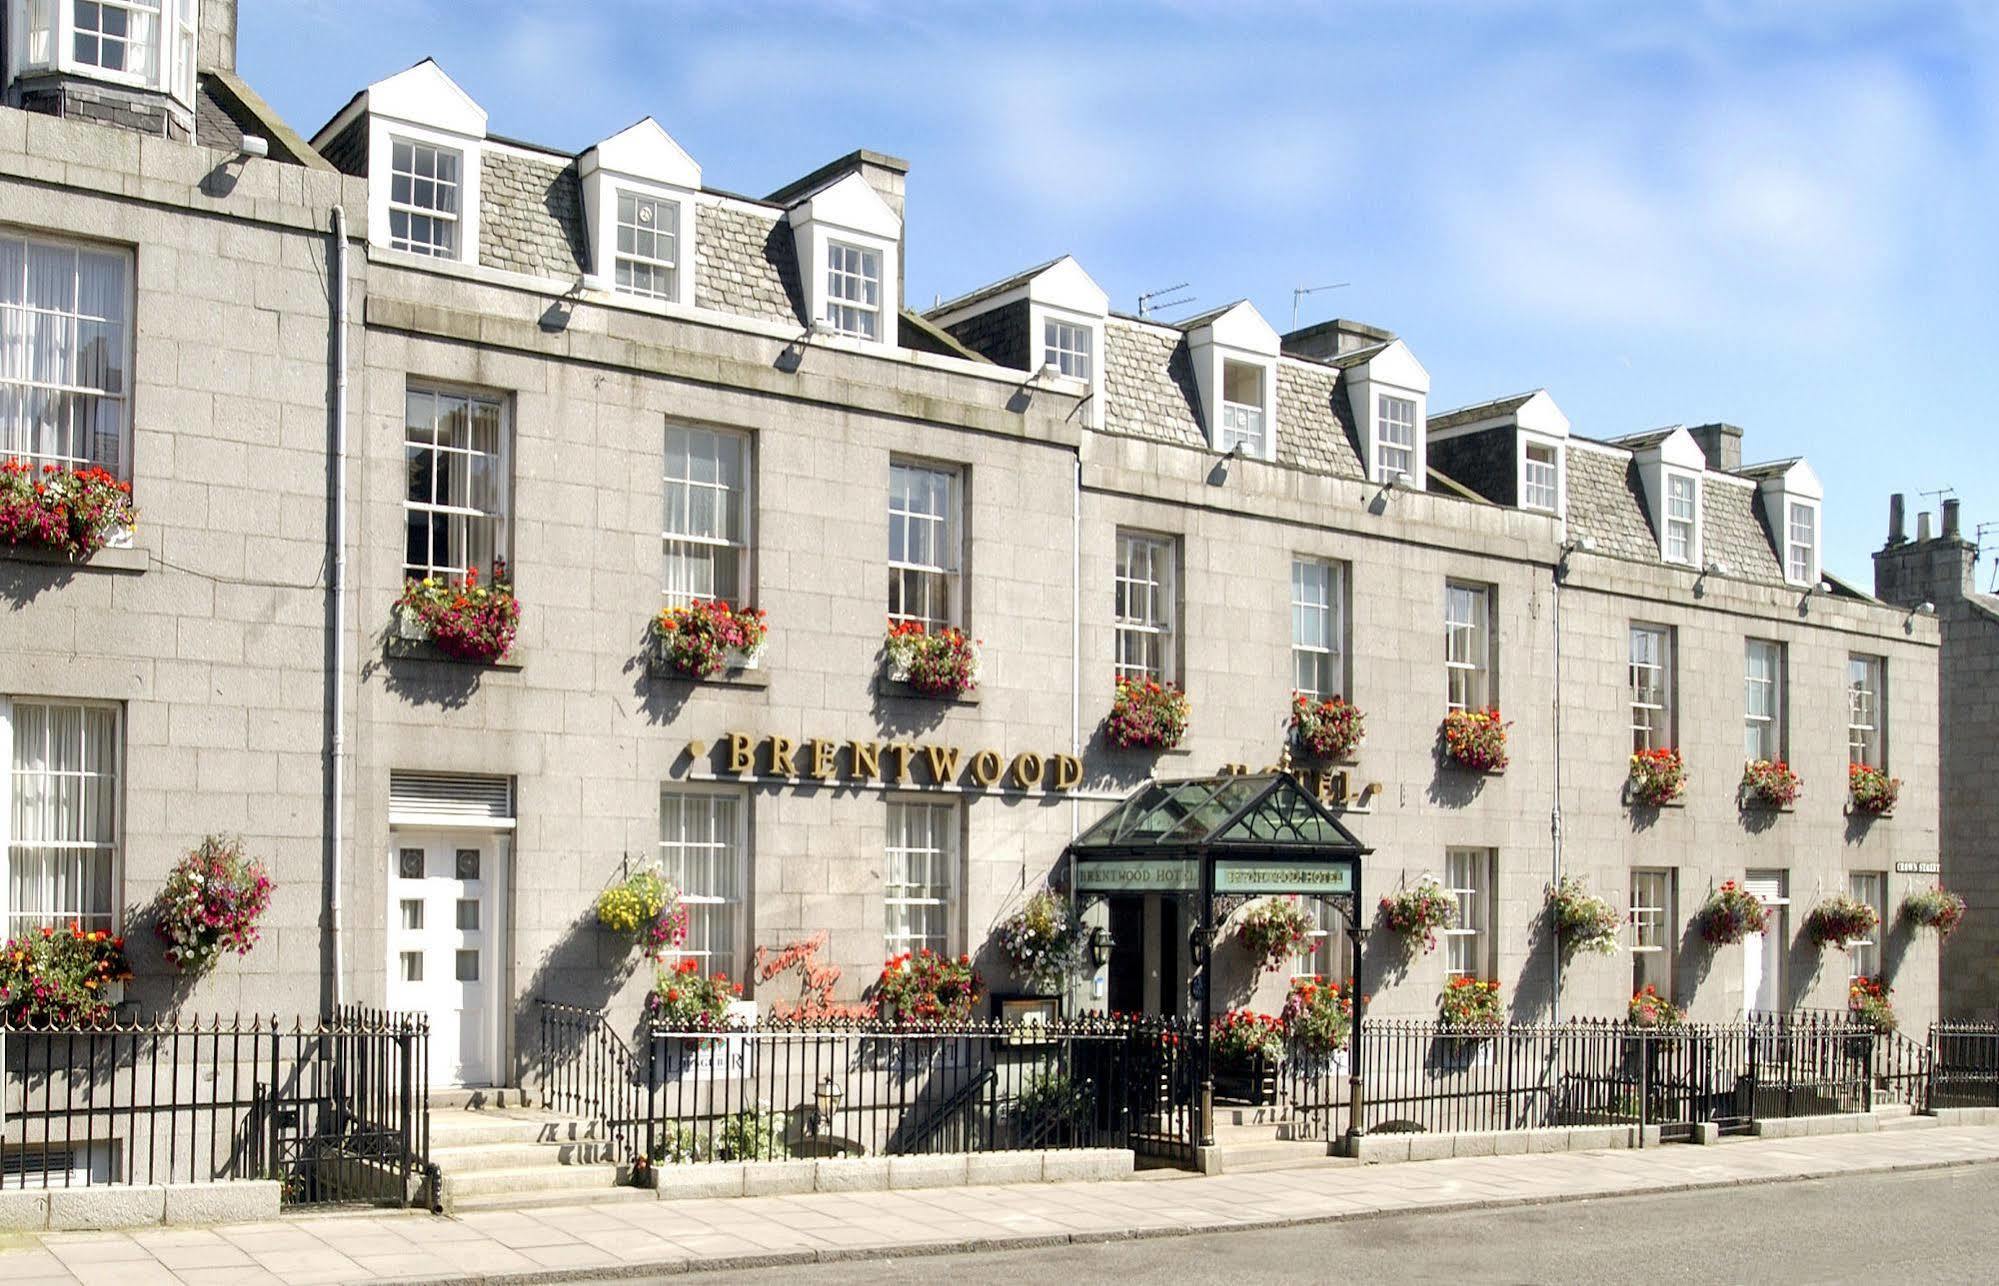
1043,941
1731,914
62,977
1146,715
646,909
471,622
213,899
1273,931
1868,1000
684,999
1583,921
925,987
1475,739
1769,783
1873,792
1418,913
1652,1011
1840,919
1329,729
940,664
708,636
1658,778
65,511
1471,1007
1318,1016
1936,908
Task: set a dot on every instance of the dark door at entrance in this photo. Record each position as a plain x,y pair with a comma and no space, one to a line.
1172,959
1126,983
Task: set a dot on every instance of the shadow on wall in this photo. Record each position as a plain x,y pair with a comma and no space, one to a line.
660,698
22,582
1534,990
1386,959
1450,785
422,680
1803,960
1897,936
1858,823
1758,820
587,967
1692,964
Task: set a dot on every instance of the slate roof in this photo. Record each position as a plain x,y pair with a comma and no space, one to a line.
1732,530
1000,287
1607,504
746,265
1480,411
531,215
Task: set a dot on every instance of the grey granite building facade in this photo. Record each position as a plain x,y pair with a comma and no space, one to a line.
544,350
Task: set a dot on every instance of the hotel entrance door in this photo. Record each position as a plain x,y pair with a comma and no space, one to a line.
1149,957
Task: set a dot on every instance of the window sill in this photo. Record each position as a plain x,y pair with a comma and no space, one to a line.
1177,752
1865,814
1469,771
131,561
1640,806
888,687
399,649
1755,806
663,670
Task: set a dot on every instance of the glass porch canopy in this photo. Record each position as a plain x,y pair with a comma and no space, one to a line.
1260,833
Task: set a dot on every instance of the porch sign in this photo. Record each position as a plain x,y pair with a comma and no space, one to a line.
1181,875
1281,877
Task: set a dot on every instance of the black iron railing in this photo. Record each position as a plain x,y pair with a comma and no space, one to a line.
335,1108
1964,1066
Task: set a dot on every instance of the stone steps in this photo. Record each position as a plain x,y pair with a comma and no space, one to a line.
492,1152
1277,1154
527,1179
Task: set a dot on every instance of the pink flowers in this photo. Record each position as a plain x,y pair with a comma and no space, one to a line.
472,622
59,977
940,664
1329,729
211,904
1475,739
69,510
1146,715
697,639
1770,783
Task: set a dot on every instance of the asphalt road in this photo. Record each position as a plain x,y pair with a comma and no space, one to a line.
1923,1226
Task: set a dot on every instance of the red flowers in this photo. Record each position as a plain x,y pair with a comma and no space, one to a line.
1475,739
683,1000
73,511
943,664
1241,1036
1657,777
471,622
1471,1005
58,979
1329,729
1146,715
1873,791
700,638
925,987
1771,783
1731,914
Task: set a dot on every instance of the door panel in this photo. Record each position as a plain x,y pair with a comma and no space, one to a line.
444,958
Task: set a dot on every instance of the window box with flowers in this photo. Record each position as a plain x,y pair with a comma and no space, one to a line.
646,909
1869,1001
684,999
1471,1007
1044,942
1475,740
923,987
1769,783
1840,919
1331,729
213,899
708,640
1273,931
1871,792
69,977
1418,913
1147,715
1245,1048
1936,908
1730,914
49,513
468,622
1318,1017
942,665
1583,921
1658,779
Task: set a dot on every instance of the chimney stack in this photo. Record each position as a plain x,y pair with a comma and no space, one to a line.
1327,340
1950,519
1721,444
1898,530
215,42
1940,569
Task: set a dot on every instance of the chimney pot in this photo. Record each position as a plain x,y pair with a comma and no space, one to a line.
1923,527
1950,519
1898,531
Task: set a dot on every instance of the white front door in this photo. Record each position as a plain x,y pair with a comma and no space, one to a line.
445,935
1763,953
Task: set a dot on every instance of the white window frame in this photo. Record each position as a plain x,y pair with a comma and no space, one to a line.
52,23
1867,710
1327,951
1800,550
70,392
112,850
1763,731
725,819
851,268
664,228
941,579
1468,881
1468,647
1244,423
1069,347
1679,534
1864,954
679,542
500,516
942,841
411,210
1318,626
1650,673
1654,894
1146,604
1540,475
384,132
1395,435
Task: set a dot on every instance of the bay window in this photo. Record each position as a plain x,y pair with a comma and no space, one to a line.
455,509
923,540
705,541
1800,543
1682,510
1395,437
1540,477
144,44
65,354
1652,928
59,814
704,853
1242,409
1066,347
922,864
1468,942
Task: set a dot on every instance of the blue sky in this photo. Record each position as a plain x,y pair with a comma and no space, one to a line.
1777,214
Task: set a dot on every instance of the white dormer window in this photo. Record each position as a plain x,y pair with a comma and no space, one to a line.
1540,477
147,44
648,251
424,198
1682,508
1395,437
853,290
1242,409
1066,347
1801,543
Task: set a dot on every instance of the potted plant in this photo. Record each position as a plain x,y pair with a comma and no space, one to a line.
66,511
1475,739
685,999
943,663
1052,1110
213,899
1146,715
1937,908
1658,777
471,622
1840,919
1867,1000
1873,792
69,977
1583,921
1246,1048
1769,783
1731,914
921,987
1043,941
1653,1012
1273,931
1329,729
646,909
1471,1007
1317,1017
708,636
1418,913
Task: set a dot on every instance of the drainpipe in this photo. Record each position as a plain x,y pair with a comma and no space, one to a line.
1555,813
336,874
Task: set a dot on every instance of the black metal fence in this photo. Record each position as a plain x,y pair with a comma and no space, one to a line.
335,1109
780,1090
1964,1070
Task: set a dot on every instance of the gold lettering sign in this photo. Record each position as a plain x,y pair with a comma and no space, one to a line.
866,759
1026,769
986,767
903,752
941,765
943,762
742,753
1068,772
781,749
822,758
